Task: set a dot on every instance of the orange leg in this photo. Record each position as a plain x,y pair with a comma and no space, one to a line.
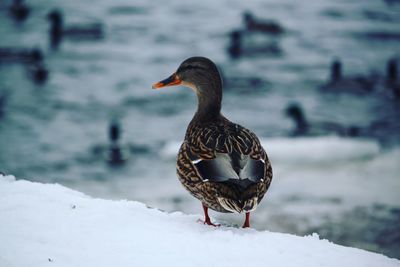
207,219
247,221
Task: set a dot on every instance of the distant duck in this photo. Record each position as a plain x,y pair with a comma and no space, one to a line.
295,112
58,31
252,24
305,128
36,68
243,83
392,77
220,163
238,48
116,154
352,84
19,10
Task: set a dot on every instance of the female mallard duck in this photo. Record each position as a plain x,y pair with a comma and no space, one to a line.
220,163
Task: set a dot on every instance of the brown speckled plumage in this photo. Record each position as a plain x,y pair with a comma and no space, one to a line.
204,140
220,163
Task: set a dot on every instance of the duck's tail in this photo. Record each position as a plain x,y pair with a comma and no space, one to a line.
238,206
242,196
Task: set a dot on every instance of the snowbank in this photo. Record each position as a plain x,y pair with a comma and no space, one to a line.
51,225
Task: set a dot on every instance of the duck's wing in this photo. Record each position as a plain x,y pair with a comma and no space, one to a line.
227,152
224,168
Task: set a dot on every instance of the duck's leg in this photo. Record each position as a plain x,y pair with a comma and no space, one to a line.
207,219
247,221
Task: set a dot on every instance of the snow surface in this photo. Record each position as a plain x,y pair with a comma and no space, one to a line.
51,225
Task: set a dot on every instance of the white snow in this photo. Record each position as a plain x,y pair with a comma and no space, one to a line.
51,225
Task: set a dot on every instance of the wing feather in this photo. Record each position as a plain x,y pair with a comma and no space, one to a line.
225,151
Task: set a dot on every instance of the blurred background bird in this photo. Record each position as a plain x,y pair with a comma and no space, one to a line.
58,31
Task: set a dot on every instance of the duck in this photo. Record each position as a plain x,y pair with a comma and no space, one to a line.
32,58
220,163
357,84
239,47
37,70
252,24
295,112
58,31
116,154
304,128
19,10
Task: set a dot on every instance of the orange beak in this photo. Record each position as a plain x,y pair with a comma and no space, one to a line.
170,81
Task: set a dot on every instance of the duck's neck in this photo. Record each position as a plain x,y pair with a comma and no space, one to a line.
301,122
209,103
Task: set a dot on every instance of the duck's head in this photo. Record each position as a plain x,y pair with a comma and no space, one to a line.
248,17
201,75
336,70
198,73
295,111
55,16
36,55
114,131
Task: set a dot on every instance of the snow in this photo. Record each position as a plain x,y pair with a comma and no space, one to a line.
51,225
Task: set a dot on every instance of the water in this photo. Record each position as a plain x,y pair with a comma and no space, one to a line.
346,189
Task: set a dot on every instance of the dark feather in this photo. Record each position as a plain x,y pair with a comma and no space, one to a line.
233,166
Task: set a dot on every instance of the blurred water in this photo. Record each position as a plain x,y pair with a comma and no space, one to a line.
345,189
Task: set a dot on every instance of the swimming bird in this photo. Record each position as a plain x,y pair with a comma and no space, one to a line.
116,154
33,59
37,70
220,163
295,112
241,44
253,24
357,84
304,128
58,31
